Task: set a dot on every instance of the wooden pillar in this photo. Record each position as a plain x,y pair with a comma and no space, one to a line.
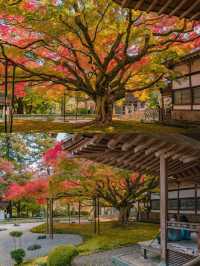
12,99
196,199
161,114
98,216
79,212
178,202
69,214
5,97
95,214
163,208
64,105
47,218
51,218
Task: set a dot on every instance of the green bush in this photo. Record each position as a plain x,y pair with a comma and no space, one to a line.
18,255
62,256
34,247
16,234
41,237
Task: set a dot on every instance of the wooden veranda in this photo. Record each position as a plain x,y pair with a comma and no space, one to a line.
174,158
189,9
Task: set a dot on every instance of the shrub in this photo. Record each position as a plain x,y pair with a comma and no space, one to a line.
16,234
41,237
62,256
18,255
34,247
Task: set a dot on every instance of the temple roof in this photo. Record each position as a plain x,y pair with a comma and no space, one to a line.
182,8
140,152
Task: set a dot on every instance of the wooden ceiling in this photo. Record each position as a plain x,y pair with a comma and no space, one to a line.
141,152
181,8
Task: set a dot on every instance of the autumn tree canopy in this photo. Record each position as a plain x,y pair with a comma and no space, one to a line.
95,47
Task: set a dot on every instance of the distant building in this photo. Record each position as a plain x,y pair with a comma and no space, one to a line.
130,107
3,207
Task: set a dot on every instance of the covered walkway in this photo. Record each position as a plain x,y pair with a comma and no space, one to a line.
174,158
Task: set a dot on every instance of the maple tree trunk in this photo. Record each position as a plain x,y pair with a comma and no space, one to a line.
20,106
124,213
104,109
18,209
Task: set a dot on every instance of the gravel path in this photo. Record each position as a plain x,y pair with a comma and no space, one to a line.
130,254
28,239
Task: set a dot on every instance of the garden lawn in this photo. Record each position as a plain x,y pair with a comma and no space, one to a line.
116,126
112,234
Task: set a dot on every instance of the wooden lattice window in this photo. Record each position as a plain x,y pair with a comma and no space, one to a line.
196,95
182,97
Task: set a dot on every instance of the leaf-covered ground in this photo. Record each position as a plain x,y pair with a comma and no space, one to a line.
112,234
115,127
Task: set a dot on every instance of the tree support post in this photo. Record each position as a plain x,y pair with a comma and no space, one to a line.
69,214
47,218
95,214
98,216
163,208
12,99
5,97
51,218
79,212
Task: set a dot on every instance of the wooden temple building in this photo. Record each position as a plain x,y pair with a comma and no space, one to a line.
175,159
189,9
186,89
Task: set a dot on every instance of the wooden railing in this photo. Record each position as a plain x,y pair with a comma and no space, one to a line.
192,227
195,262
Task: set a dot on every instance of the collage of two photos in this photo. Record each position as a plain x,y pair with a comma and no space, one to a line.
99,133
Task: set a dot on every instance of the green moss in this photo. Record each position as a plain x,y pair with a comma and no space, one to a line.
112,234
115,126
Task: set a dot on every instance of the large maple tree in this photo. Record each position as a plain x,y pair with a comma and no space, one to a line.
91,46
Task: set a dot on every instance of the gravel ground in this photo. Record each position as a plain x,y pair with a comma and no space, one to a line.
28,239
131,254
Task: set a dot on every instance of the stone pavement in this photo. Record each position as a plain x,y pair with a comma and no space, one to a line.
131,254
28,239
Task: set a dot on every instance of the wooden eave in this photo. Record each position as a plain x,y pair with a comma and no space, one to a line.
141,152
188,58
189,9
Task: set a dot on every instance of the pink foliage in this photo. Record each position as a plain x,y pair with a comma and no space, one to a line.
37,189
15,192
30,5
20,90
52,154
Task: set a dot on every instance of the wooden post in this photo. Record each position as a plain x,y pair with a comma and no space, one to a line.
98,216
5,97
47,218
69,215
196,199
95,215
161,115
51,218
178,202
64,105
163,208
79,212
12,99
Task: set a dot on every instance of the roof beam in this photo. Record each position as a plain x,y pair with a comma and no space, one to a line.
162,10
178,7
196,2
153,4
